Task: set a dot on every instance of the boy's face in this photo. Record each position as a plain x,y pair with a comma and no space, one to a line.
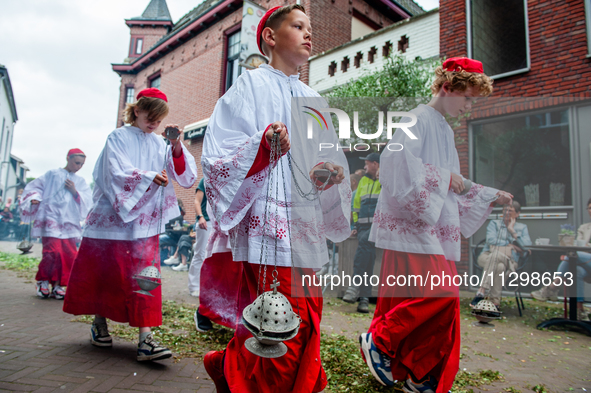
143,123
458,102
293,39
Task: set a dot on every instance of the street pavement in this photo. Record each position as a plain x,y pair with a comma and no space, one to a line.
42,350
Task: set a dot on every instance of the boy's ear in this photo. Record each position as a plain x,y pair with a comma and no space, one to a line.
136,111
446,88
268,37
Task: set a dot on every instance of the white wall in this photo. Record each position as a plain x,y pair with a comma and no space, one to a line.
423,37
5,134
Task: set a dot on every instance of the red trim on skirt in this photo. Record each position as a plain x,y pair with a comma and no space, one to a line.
102,283
417,327
298,371
220,290
57,260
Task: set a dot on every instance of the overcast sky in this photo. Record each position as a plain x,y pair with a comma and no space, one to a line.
59,54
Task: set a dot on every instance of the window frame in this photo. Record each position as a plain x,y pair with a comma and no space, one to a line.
133,45
572,149
227,34
127,88
588,25
153,77
138,39
527,46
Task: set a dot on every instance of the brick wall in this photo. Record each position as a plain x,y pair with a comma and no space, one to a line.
192,74
559,66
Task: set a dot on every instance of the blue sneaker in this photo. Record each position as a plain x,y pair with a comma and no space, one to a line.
378,363
428,385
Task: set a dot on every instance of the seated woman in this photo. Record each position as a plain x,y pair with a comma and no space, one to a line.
583,271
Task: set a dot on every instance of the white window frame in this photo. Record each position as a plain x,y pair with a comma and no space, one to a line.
139,46
527,49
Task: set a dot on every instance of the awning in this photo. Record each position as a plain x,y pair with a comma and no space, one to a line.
196,130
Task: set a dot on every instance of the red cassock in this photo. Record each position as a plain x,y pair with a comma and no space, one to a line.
298,371
220,290
57,260
102,281
418,328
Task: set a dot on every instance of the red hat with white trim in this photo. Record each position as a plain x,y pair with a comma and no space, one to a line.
457,64
152,92
261,27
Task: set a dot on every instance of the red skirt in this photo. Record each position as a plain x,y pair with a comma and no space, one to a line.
57,260
418,328
220,290
298,371
102,281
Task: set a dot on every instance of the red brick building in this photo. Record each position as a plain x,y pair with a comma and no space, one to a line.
193,60
533,138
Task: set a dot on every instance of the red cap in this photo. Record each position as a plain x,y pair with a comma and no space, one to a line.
262,27
457,64
152,92
74,152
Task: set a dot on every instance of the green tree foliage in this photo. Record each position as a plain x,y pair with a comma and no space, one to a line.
399,86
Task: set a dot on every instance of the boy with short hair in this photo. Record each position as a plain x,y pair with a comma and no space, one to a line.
415,332
236,157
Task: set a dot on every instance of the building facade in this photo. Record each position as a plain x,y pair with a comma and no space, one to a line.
533,137
194,61
13,172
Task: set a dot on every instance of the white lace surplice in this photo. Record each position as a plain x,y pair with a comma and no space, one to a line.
257,99
59,214
416,210
127,203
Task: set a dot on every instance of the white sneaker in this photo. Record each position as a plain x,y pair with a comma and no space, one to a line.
181,268
150,349
58,292
195,293
172,261
43,289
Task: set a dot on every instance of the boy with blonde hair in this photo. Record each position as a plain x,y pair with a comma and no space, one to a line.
415,332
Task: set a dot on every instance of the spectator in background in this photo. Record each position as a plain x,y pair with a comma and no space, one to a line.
203,230
583,271
364,206
504,241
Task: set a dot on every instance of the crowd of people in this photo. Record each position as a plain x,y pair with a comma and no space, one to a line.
415,211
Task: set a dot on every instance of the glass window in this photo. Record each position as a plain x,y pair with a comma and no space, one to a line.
129,95
138,46
498,35
588,17
233,68
528,156
155,82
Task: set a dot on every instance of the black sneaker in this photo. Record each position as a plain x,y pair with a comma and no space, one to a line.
363,306
150,349
476,300
99,335
202,323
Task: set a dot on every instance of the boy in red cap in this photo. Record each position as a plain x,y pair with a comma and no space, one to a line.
235,160
57,202
415,332
133,200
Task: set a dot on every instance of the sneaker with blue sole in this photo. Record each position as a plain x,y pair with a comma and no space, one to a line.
378,363
428,385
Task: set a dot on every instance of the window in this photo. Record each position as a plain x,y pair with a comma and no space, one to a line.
138,46
498,36
129,95
371,54
403,44
332,68
357,59
345,64
233,68
588,17
528,156
155,82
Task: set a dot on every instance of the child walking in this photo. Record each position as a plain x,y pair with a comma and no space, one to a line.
133,200
57,202
236,155
415,332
